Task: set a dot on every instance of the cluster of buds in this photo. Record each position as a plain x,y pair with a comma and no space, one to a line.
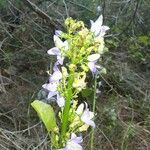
77,52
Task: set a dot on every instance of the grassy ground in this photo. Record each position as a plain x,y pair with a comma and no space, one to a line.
123,108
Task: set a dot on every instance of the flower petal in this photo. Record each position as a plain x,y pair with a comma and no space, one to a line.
103,30
76,139
52,86
60,100
55,68
56,76
58,42
86,117
93,57
51,94
92,67
73,143
96,26
60,60
58,32
54,51
80,108
66,46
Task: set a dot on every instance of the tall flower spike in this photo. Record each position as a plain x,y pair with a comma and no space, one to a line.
97,27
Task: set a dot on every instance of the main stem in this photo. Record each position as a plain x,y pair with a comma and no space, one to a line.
65,115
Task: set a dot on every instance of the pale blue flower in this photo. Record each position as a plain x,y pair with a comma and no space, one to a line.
59,43
74,143
54,51
58,32
60,100
86,115
52,91
97,27
56,76
57,50
52,86
92,62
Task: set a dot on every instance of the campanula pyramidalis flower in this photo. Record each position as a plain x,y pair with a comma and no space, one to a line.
56,76
52,91
53,84
53,81
92,62
97,27
60,100
54,51
59,43
80,109
57,50
58,32
86,115
73,143
51,88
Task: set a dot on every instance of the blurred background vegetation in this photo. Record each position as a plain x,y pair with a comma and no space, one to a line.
123,108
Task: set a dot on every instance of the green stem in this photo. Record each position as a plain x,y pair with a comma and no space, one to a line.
94,105
65,115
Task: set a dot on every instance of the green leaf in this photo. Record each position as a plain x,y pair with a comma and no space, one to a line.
46,114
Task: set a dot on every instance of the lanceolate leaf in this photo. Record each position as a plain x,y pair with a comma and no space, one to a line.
46,114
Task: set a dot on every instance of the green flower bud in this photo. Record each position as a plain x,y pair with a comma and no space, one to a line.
72,67
83,128
85,68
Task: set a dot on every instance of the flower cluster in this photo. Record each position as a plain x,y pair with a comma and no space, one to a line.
77,52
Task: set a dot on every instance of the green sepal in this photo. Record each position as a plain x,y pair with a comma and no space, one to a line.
46,114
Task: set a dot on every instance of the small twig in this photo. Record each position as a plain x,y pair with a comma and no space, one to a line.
21,131
133,17
67,13
42,14
2,87
5,29
107,139
41,143
80,5
10,140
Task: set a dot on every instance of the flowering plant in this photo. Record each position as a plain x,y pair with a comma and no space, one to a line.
77,52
